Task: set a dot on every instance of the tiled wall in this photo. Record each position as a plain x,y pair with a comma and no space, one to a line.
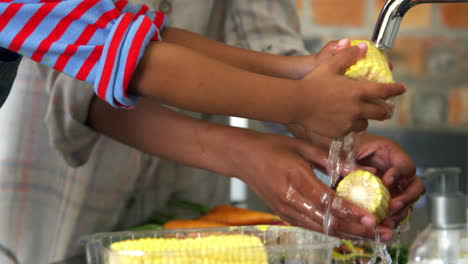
430,55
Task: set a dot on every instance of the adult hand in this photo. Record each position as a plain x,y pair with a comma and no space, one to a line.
279,170
397,170
389,161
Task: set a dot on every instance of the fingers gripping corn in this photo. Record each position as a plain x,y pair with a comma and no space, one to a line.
229,249
367,191
362,187
374,66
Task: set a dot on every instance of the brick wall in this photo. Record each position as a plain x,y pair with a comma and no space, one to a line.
430,55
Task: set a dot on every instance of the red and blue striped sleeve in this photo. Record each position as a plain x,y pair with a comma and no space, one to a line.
97,41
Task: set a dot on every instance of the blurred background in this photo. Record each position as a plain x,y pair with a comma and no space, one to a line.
431,56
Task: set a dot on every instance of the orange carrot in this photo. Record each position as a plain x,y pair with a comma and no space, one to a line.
239,216
178,224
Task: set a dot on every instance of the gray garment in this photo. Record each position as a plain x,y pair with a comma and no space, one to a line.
267,26
9,62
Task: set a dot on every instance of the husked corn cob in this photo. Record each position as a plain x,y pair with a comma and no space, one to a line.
373,67
367,191
229,249
362,187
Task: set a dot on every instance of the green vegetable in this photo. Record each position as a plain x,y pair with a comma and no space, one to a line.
189,205
353,253
349,253
158,218
161,218
145,227
403,257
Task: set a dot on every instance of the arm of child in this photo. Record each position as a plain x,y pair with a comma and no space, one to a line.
178,76
325,101
294,67
107,53
277,168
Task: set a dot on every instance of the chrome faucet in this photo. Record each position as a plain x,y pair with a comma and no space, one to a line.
388,23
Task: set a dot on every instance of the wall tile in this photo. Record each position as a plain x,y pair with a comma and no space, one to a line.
299,6
429,107
402,109
407,55
428,56
416,18
445,58
458,106
338,12
454,15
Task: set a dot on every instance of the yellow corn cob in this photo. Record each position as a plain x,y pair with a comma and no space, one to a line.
362,187
367,191
373,67
229,249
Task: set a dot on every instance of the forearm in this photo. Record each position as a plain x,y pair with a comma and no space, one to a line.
177,76
248,60
162,132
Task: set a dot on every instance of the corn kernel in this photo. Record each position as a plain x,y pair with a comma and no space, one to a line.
229,249
367,191
374,66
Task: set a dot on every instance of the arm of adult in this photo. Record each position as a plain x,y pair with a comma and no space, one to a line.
277,168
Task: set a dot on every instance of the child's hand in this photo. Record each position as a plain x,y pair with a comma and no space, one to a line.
331,104
279,170
300,66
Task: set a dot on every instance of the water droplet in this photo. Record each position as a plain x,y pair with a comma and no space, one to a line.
289,193
348,145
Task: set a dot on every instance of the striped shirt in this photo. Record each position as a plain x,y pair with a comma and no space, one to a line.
97,41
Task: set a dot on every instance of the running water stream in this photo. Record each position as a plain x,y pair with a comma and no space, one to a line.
339,148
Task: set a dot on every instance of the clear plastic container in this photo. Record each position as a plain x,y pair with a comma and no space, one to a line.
283,244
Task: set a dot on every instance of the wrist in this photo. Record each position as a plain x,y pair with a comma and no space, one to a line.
297,104
288,67
238,153
226,150
297,67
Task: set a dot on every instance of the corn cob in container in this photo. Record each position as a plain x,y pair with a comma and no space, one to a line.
229,249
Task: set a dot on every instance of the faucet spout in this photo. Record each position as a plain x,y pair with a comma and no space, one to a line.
388,23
